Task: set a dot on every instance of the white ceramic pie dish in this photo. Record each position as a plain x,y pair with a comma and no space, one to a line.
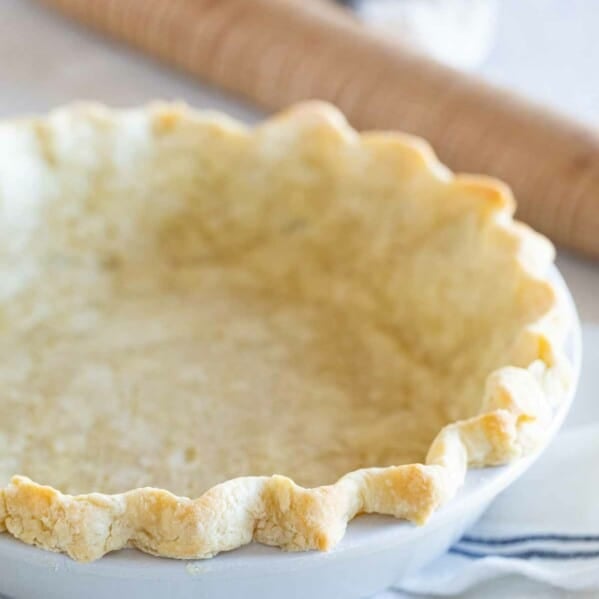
375,553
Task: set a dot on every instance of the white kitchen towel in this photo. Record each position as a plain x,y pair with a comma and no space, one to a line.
545,527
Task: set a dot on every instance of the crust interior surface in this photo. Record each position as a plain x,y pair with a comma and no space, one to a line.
212,334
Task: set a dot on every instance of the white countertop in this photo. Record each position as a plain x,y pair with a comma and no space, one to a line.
546,49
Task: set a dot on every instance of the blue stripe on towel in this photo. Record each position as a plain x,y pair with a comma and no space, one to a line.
566,538
528,554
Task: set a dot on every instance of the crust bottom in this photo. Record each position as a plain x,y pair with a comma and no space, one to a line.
274,510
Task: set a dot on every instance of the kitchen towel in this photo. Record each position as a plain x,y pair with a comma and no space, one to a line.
544,527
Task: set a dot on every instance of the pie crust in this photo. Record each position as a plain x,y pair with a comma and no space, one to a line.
194,308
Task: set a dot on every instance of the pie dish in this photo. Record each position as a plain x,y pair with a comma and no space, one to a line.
213,334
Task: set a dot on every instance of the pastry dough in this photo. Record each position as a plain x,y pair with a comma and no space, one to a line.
198,317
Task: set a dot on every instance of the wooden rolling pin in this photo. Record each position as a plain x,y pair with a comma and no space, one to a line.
276,52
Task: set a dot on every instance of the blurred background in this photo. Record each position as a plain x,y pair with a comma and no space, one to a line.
546,49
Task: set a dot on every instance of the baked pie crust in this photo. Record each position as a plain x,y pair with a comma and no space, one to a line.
193,308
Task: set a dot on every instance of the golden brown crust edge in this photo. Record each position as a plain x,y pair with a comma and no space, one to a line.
274,510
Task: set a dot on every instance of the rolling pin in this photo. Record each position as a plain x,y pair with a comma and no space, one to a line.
276,52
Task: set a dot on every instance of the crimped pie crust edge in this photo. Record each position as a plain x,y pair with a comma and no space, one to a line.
515,410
